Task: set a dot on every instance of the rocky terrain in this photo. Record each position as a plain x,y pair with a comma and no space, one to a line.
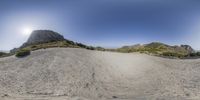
50,67
80,74
161,49
43,36
41,39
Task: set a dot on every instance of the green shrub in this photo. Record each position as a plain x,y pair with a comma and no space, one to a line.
81,45
173,54
198,53
34,46
23,53
69,42
2,54
100,48
193,54
90,48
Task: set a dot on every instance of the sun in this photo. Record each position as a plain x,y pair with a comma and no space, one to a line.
27,30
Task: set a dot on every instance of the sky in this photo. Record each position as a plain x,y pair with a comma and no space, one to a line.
106,23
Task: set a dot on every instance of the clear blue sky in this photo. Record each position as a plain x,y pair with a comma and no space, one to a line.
107,23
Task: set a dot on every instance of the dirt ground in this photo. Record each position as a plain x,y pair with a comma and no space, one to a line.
79,74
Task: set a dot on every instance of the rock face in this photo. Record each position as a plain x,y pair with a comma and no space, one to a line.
188,48
43,36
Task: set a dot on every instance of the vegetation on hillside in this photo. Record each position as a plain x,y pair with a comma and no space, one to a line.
3,54
100,49
158,49
196,54
155,48
42,39
23,53
64,44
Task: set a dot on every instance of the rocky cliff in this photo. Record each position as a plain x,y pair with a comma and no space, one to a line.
43,36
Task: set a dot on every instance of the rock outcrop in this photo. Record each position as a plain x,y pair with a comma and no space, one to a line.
188,48
159,48
43,36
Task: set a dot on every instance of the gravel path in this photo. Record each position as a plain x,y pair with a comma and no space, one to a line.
79,74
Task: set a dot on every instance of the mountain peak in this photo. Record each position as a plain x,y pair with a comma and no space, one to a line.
43,36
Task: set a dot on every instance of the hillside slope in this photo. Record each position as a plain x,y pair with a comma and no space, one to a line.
80,74
160,49
42,39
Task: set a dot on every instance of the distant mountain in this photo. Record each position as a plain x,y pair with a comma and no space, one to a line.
188,48
42,39
158,48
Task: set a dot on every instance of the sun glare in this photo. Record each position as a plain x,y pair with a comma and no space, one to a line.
26,31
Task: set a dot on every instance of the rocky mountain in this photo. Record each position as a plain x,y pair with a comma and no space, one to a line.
42,39
188,48
159,49
133,46
43,36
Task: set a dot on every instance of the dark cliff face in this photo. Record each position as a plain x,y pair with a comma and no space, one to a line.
188,48
43,36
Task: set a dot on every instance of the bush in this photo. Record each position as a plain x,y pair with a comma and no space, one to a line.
90,48
23,53
100,48
81,45
34,46
2,54
173,54
198,53
193,54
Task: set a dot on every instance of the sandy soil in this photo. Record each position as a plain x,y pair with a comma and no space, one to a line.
79,74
